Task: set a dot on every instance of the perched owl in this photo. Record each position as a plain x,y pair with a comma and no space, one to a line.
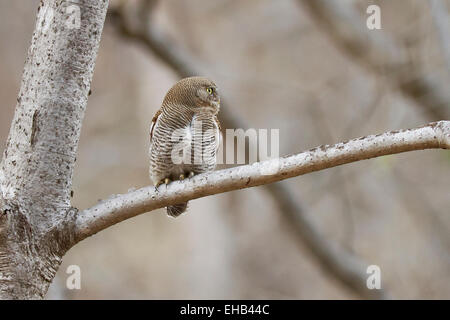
185,134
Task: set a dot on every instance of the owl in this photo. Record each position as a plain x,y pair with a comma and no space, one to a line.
185,134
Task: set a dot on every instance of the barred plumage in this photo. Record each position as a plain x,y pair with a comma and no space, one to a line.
185,133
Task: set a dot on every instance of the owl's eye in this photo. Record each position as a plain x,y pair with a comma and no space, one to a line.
210,90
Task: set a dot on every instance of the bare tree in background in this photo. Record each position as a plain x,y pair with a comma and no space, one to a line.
38,224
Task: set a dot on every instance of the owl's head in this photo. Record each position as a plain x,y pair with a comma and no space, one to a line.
197,93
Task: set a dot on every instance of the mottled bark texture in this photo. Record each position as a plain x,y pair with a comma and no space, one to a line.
36,219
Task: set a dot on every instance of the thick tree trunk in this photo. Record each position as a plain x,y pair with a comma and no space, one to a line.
36,170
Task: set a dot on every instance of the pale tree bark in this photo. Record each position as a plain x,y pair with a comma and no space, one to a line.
36,227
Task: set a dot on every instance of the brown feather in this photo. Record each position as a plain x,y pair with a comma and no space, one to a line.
154,119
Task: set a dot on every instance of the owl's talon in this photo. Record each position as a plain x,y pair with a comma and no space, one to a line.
162,181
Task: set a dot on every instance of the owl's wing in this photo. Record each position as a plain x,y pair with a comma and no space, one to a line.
153,124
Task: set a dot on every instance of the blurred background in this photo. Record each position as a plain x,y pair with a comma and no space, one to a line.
314,71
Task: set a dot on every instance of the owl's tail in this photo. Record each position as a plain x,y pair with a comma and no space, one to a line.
176,210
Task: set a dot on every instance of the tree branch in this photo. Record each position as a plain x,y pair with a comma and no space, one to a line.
109,212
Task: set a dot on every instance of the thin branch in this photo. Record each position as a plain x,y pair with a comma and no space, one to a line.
154,41
179,61
379,53
109,212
